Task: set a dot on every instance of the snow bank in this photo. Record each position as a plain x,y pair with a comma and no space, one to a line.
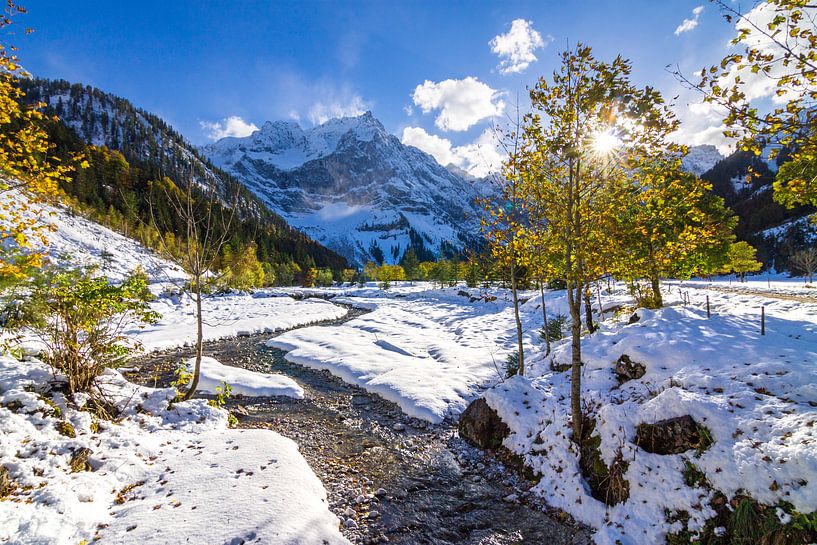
757,396
77,241
229,316
243,381
430,351
159,475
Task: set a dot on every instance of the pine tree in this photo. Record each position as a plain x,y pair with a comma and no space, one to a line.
410,264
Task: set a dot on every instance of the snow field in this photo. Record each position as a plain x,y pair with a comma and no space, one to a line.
431,351
161,474
230,315
757,396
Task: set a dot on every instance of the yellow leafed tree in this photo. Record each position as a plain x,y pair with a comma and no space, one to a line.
26,164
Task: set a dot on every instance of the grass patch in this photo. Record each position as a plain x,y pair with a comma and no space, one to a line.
125,494
693,476
747,522
65,428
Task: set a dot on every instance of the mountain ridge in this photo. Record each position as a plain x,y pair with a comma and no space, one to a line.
355,187
98,118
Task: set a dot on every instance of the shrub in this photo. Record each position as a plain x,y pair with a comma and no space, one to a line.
223,393
644,296
81,319
555,328
512,364
242,270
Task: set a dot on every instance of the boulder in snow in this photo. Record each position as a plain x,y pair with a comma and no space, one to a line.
627,369
481,426
671,436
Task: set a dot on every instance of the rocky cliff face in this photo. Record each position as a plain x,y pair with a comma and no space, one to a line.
353,186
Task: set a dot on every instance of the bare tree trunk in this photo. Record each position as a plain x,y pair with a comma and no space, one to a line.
194,384
518,321
588,309
574,302
545,319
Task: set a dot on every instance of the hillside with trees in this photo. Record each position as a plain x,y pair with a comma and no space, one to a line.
130,155
744,180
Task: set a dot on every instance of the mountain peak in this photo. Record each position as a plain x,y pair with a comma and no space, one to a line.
362,124
270,126
351,184
701,158
287,145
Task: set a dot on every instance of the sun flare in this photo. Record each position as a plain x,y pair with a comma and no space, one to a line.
604,142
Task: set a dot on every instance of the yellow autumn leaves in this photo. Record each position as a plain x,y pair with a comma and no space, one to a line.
29,173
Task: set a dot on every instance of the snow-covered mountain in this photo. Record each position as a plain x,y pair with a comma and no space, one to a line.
354,187
154,149
701,158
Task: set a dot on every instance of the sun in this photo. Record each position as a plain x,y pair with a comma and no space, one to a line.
604,142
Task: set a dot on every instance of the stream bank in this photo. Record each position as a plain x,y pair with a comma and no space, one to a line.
389,477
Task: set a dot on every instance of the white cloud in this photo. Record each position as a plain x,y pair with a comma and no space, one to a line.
462,102
515,49
701,123
689,24
479,158
343,105
230,126
315,101
439,148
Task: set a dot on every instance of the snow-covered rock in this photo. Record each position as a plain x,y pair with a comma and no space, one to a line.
243,381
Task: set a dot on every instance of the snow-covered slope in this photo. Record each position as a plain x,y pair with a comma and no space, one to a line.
74,240
159,474
701,158
353,186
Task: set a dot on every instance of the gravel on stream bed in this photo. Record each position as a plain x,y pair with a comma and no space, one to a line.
389,478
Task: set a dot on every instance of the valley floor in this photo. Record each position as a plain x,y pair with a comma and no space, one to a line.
178,473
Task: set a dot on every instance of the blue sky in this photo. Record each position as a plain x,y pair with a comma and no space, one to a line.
198,63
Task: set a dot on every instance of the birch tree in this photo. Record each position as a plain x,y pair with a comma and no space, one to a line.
579,144
204,223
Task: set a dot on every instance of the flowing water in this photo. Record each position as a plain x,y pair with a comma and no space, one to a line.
390,478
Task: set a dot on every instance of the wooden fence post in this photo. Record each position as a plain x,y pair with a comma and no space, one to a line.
763,320
708,314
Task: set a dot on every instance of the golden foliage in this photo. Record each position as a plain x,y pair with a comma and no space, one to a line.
26,163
